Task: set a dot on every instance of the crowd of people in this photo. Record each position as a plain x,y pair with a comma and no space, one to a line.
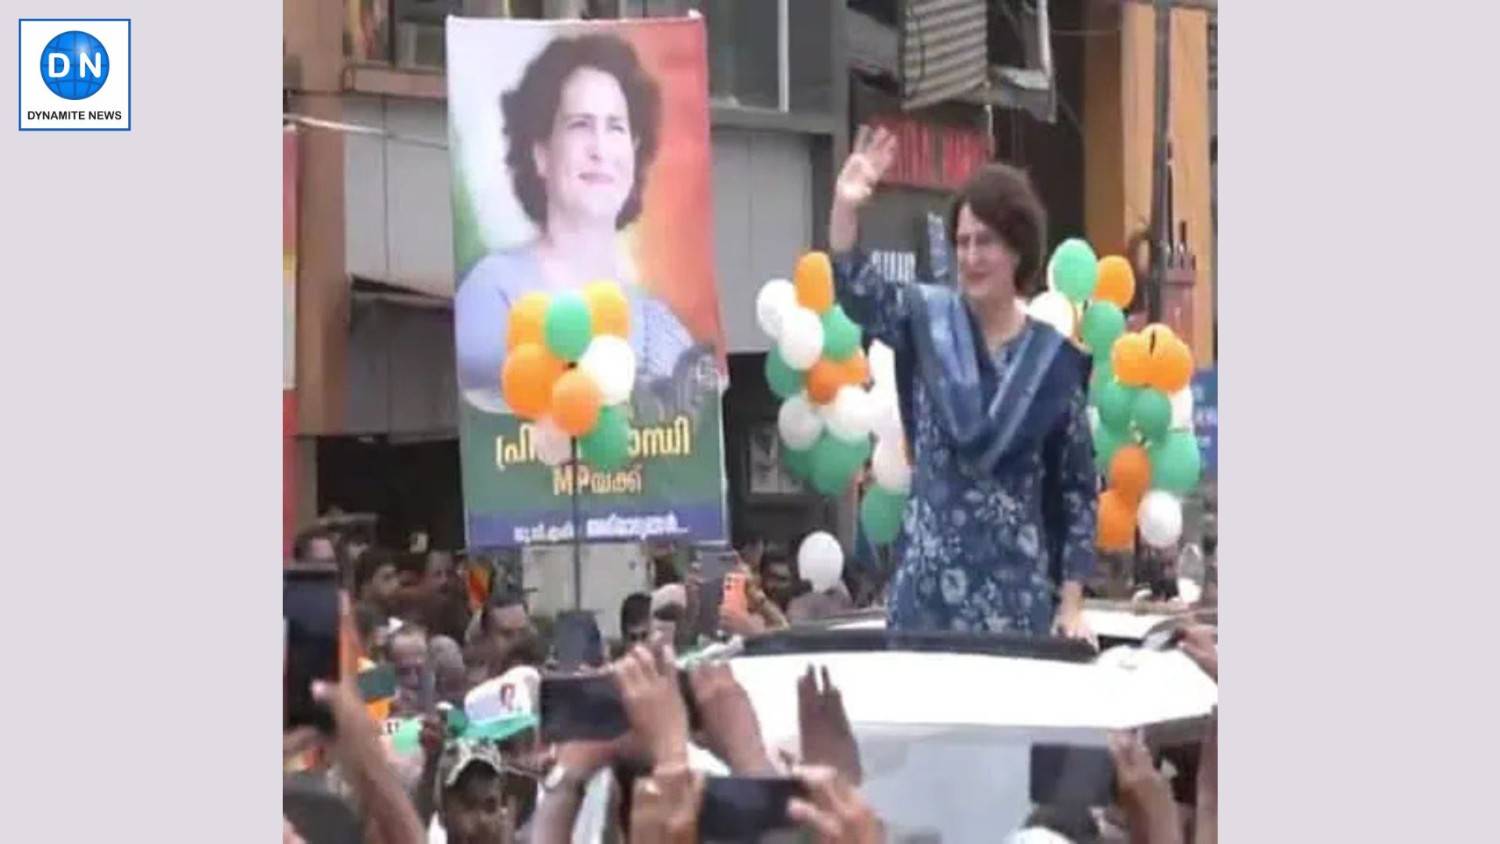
473,766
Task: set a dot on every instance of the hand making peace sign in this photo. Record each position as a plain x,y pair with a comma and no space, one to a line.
871,156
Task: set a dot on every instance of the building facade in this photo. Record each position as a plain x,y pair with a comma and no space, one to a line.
1063,88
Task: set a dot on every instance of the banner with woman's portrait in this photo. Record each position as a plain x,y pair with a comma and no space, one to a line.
581,153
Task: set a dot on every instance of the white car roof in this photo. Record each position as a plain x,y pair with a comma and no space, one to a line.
945,736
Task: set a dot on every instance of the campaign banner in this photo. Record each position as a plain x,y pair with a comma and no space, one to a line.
580,153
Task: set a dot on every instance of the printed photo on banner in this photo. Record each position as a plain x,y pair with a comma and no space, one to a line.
581,155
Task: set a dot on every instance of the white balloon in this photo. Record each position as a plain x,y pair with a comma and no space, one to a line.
552,444
882,366
801,340
799,423
776,297
820,560
850,414
1093,414
892,472
1160,519
610,361
1188,590
1054,309
886,418
1182,409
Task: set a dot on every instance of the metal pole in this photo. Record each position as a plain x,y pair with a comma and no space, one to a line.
1161,224
783,56
577,532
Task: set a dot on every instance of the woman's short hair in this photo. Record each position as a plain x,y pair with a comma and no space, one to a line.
1003,198
531,107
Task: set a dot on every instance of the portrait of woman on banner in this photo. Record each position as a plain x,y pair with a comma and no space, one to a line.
582,128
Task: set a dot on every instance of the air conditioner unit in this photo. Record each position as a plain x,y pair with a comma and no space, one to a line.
1033,87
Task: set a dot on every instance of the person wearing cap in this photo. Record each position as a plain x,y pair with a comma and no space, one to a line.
498,721
472,808
502,708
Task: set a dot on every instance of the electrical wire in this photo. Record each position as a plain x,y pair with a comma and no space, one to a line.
367,131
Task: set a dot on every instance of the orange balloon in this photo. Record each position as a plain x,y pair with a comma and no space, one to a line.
1130,358
527,317
824,379
576,401
609,308
814,281
1116,522
528,377
1130,472
1171,365
855,369
1116,281
1156,334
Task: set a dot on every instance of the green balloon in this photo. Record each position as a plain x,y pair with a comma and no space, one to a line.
568,327
1103,374
607,447
1103,323
1176,463
1107,441
841,335
1116,404
880,514
785,381
834,462
797,462
1151,413
1075,270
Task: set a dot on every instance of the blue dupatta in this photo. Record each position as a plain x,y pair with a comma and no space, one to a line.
993,419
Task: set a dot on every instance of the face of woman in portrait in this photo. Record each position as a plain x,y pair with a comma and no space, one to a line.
588,162
986,264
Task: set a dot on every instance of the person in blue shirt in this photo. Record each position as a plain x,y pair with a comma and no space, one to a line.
999,530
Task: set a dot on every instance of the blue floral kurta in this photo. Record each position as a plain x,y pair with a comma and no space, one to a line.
977,552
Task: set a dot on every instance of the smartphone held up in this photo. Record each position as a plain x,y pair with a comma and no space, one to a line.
311,632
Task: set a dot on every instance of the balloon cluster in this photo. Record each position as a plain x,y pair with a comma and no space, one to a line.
569,369
884,503
830,422
1140,397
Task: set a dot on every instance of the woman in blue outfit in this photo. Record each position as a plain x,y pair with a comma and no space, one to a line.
999,529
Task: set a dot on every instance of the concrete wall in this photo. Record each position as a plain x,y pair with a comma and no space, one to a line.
397,197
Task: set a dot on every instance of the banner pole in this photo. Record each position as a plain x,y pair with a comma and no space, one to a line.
577,533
